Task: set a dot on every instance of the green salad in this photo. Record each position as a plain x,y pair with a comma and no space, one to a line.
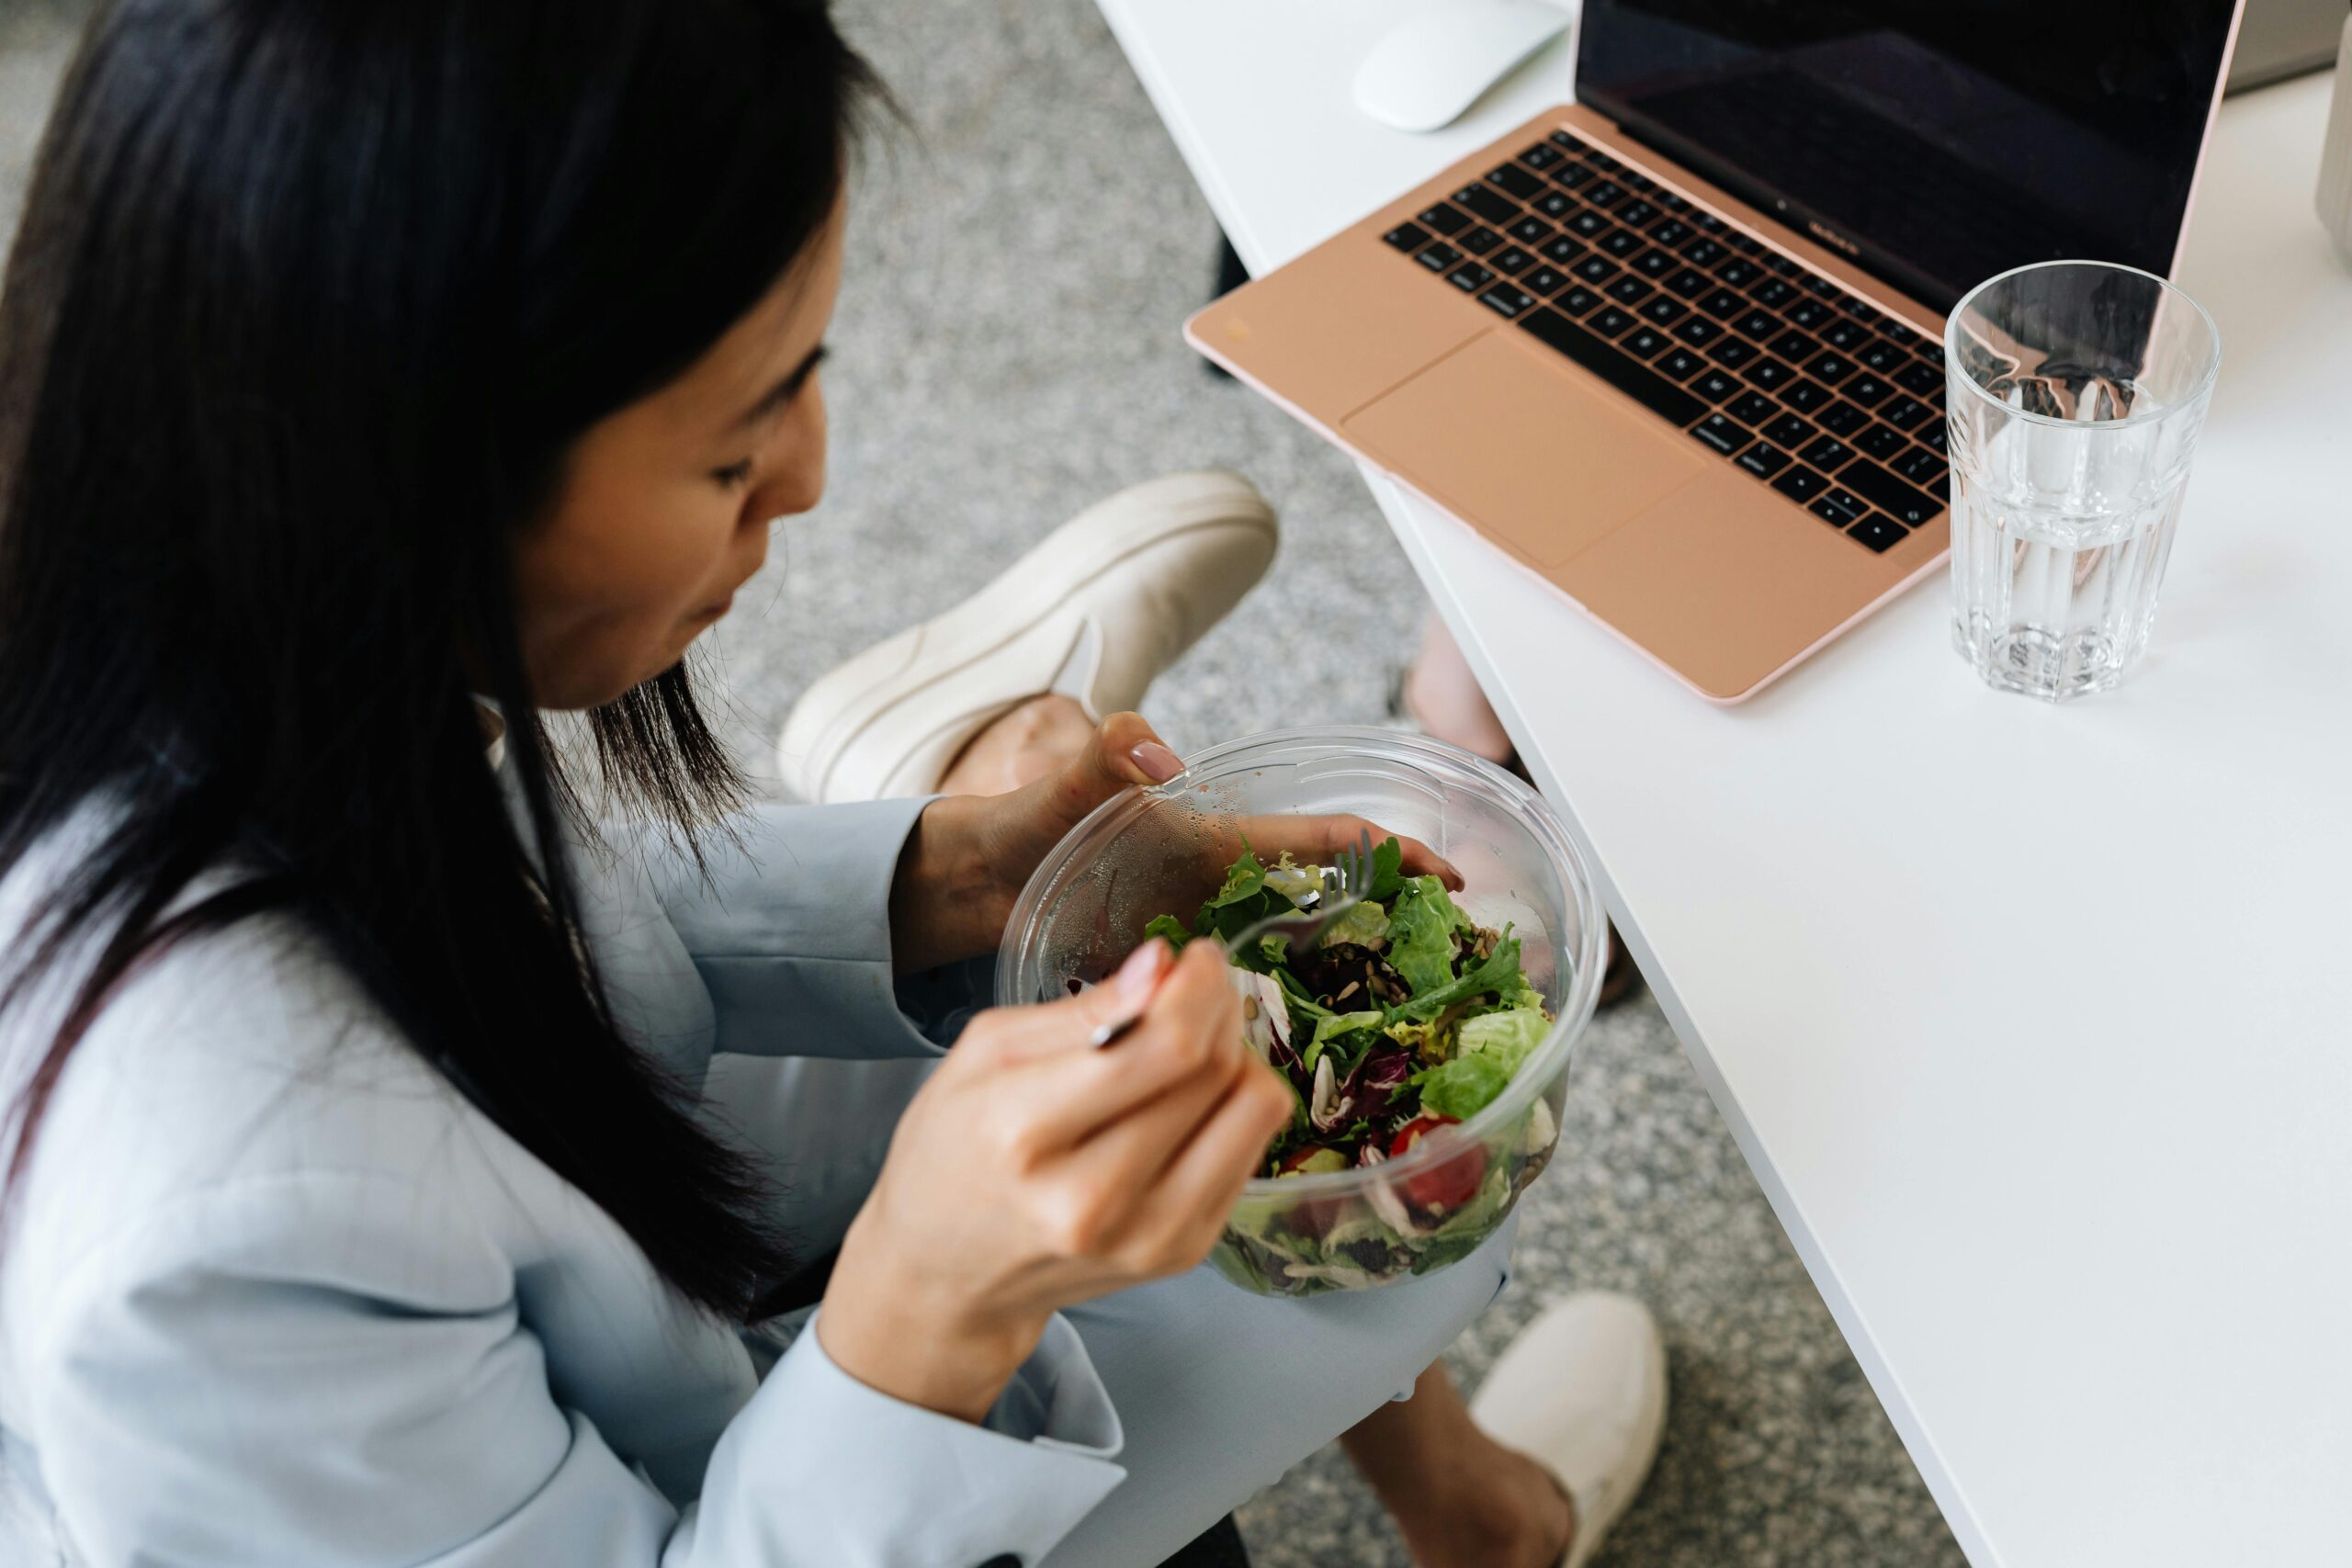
1405,1017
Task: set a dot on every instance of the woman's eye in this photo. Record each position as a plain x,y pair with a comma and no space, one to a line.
733,475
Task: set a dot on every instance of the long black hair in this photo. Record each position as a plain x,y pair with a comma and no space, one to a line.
309,299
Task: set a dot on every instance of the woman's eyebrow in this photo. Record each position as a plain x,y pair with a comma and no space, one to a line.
783,391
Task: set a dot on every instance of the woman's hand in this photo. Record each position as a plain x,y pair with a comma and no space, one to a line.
970,855
1033,1172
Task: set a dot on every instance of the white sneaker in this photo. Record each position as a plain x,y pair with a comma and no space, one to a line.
1097,609
1582,1391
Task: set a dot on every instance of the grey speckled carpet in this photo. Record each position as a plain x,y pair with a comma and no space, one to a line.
1006,352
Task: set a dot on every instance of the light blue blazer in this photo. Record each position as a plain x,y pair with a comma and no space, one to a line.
273,1293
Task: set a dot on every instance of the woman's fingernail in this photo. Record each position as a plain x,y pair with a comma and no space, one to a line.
1140,976
1157,762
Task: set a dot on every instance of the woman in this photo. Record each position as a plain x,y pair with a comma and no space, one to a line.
374,379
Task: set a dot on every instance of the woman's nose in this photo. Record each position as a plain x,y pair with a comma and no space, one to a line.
798,480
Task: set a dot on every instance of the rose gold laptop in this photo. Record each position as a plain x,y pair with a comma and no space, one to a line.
1677,349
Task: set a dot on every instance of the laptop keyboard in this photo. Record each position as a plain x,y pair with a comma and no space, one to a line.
1753,355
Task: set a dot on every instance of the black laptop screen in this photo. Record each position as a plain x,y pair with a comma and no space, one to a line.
1938,142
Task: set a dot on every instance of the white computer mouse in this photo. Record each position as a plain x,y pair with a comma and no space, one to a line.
1437,63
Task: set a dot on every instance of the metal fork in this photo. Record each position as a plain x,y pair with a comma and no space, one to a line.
1346,883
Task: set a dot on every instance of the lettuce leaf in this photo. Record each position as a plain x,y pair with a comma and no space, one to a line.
1363,924
1332,1025
1507,1037
1499,974
1464,1086
1387,870
1169,927
1421,929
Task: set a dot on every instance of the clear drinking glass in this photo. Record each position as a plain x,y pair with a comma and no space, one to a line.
2076,392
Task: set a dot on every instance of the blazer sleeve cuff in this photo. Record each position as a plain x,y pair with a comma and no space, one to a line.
821,1446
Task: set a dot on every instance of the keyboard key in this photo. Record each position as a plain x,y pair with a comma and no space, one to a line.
1408,237
1681,364
1723,304
1563,249
1828,454
1933,434
1904,413
1469,277
1664,309
1490,205
1610,323
1506,301
1531,231
1710,222
1642,182
1566,143
1859,309
1595,269
1900,333
1655,264
1620,242
1792,345
1745,244
1846,336
1922,467
1882,356
1785,265
1672,202
1703,253
1445,220
1722,434
1588,224
1804,396
1763,459
1799,483
1732,353
1673,232
1570,175
1510,259
1698,332
1437,258
1769,373
1577,300
1479,241
1604,161
1645,344
1867,390
1814,283
1752,408
1628,290
1842,500
1789,431
1539,156
1638,214
1881,442
1773,293
1839,419
1605,195
1544,280
1555,204
1899,501
1877,532
1810,313
1933,353
1689,283
1921,380
1829,366
1756,325
1716,387
1645,387
1510,178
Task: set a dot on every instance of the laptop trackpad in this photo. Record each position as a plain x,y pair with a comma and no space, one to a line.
1504,434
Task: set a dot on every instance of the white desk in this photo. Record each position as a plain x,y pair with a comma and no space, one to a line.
2035,1024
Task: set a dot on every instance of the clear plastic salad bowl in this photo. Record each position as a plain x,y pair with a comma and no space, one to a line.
1158,852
